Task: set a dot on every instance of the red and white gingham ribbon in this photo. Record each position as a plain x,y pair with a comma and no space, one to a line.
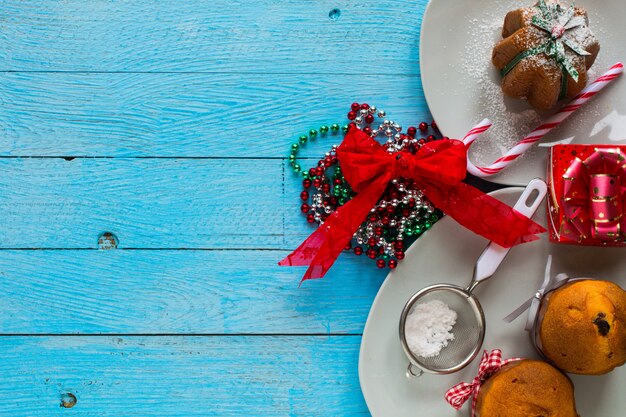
522,146
490,363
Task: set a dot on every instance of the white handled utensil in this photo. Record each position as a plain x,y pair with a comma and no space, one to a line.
469,330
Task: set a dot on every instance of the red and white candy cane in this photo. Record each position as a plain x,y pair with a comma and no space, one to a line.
522,146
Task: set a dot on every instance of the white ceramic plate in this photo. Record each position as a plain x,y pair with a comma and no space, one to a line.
447,253
462,87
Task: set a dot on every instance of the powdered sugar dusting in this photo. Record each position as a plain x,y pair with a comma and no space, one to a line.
512,118
428,328
596,109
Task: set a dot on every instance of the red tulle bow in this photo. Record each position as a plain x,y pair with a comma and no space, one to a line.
490,363
438,168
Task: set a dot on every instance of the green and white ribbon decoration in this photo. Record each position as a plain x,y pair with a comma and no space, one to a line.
555,20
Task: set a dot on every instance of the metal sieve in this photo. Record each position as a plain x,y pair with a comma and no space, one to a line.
469,329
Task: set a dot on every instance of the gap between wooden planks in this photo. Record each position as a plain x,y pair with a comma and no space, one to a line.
180,376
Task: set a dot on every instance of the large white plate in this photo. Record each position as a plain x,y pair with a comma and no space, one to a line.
462,87
447,253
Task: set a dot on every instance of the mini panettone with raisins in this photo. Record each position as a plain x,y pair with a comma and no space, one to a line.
526,388
581,329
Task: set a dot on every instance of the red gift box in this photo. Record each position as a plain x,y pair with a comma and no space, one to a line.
587,194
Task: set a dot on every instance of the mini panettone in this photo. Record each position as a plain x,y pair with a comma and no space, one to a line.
546,52
526,388
582,327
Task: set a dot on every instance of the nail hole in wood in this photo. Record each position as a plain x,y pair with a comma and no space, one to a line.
68,400
334,14
107,240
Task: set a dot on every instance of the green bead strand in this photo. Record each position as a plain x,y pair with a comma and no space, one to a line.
304,139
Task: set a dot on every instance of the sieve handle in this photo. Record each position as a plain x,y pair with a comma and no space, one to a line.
494,254
413,371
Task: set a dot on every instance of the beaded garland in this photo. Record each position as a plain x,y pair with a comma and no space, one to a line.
401,215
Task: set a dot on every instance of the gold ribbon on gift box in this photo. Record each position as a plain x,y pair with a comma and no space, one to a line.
594,197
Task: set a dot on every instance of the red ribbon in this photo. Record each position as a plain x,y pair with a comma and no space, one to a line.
489,364
438,168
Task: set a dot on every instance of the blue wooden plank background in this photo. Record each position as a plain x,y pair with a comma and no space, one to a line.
167,124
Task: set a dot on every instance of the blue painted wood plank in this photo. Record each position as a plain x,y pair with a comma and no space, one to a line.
181,376
150,203
199,292
97,79
196,115
211,36
146,203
